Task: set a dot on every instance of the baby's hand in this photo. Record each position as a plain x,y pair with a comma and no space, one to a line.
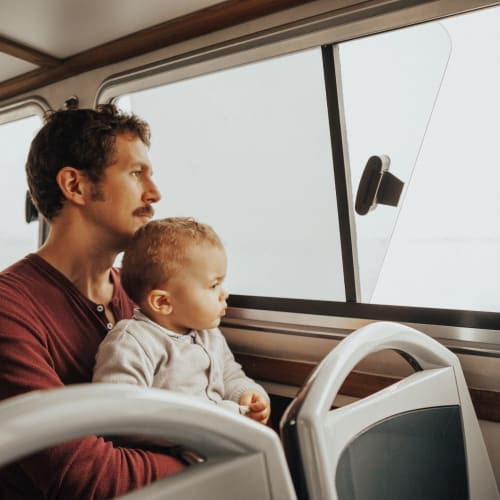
259,406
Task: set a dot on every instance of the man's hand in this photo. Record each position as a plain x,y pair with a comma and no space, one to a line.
259,406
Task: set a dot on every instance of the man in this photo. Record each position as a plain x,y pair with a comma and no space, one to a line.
90,176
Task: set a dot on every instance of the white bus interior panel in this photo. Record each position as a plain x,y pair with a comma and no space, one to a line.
416,439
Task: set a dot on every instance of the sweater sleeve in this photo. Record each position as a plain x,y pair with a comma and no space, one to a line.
235,380
89,468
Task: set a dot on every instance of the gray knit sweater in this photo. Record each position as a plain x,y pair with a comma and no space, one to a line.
138,351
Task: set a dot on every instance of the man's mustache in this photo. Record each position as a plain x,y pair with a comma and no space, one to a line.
147,210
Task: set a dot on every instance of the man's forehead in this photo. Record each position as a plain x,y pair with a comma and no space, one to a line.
132,147
128,136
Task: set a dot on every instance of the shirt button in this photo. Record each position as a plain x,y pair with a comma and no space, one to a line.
109,326
100,308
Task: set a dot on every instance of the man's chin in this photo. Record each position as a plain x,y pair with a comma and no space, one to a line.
140,221
144,219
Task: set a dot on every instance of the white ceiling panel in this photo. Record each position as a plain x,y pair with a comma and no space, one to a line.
11,67
63,28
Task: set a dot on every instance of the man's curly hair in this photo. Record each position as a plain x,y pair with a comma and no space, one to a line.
81,138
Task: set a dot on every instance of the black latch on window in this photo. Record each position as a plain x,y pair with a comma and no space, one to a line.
30,211
377,186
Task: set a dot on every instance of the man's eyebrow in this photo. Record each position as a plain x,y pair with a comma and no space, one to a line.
142,164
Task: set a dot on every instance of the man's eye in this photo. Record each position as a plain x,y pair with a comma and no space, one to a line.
137,173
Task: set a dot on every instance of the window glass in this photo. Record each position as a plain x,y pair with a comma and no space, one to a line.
437,119
247,150
390,84
17,238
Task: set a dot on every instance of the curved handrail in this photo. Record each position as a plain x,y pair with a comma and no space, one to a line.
330,374
303,425
36,420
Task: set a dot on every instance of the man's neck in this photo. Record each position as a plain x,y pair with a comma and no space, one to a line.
82,260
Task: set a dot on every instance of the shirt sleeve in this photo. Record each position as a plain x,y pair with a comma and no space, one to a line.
89,468
235,380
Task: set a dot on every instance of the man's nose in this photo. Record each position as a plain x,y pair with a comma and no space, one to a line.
152,193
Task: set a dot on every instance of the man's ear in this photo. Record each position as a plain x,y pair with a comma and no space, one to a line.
159,301
73,184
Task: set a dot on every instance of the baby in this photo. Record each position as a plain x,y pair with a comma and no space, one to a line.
174,271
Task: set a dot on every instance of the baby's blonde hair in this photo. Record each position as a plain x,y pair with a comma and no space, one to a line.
157,250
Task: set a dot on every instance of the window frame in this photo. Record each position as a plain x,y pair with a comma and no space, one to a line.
17,110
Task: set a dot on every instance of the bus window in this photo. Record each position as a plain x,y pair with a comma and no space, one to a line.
17,238
440,248
390,84
247,150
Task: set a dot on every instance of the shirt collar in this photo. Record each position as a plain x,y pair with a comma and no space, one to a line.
187,337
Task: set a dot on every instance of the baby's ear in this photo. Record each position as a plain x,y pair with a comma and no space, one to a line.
159,301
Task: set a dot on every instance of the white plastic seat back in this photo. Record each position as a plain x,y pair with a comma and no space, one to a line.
416,439
244,459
